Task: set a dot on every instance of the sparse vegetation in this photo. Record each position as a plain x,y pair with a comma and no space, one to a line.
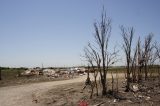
98,54
140,59
72,97
135,83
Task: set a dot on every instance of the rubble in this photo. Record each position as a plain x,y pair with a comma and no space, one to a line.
135,88
148,98
115,100
54,72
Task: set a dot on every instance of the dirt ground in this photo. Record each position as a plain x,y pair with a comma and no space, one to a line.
26,94
148,94
69,93
23,94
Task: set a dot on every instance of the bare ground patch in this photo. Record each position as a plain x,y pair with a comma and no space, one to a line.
72,95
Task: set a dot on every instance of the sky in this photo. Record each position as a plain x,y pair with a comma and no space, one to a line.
55,32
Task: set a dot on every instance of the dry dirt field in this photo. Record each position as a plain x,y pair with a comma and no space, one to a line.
72,95
24,94
69,93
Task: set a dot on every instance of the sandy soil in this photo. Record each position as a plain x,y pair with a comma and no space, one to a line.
23,94
148,94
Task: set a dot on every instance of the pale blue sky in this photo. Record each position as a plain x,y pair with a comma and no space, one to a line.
54,32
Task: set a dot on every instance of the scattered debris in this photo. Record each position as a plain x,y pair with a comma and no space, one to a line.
99,104
129,101
148,98
140,96
143,94
135,88
116,100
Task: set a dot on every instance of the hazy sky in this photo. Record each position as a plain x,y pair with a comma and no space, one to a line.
54,32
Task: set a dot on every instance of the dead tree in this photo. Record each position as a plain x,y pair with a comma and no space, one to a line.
127,36
152,59
158,55
102,35
140,61
157,47
134,66
99,49
88,82
0,74
89,59
97,69
93,60
111,59
147,50
157,50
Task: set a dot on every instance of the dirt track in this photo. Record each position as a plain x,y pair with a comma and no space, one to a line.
22,95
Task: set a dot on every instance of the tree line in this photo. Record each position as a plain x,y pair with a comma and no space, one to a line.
138,58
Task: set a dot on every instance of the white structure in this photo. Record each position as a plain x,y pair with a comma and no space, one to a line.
49,72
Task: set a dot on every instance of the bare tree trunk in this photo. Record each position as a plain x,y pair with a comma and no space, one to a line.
139,74
159,73
147,50
88,81
158,55
146,71
112,82
92,88
133,66
88,73
104,91
0,74
96,86
134,73
128,79
117,89
103,87
95,81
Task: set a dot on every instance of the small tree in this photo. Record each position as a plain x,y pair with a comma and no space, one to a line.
127,35
147,51
93,59
98,52
134,65
97,60
140,60
158,56
102,35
